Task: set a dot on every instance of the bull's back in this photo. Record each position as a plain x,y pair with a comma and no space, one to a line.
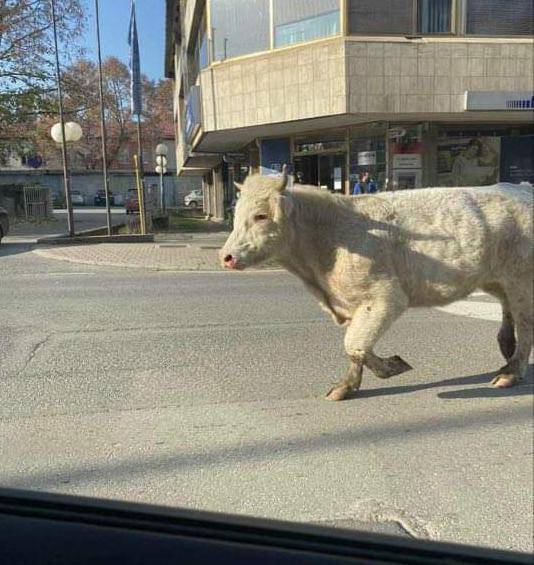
449,241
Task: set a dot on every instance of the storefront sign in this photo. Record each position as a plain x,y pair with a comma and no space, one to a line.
407,161
367,158
499,100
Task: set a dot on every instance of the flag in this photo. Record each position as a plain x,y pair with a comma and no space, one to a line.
135,67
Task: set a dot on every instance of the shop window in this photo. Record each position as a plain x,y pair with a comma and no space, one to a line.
368,17
304,20
239,27
500,17
367,154
435,16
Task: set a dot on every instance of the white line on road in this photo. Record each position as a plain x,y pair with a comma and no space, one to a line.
472,309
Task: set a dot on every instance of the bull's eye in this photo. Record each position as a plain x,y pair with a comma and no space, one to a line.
260,217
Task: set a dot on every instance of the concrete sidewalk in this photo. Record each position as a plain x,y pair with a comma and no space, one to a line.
176,252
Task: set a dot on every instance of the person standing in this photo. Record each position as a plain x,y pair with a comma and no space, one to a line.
365,184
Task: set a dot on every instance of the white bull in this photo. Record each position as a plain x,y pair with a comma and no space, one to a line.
369,258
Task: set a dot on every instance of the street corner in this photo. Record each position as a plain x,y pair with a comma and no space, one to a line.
149,256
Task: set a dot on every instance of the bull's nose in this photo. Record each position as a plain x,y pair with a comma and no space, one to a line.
229,261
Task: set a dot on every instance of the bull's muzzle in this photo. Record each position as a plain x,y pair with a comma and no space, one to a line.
229,261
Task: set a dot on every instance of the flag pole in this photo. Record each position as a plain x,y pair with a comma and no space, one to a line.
102,121
141,167
136,97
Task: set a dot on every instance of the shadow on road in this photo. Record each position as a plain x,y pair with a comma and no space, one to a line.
273,449
13,248
524,388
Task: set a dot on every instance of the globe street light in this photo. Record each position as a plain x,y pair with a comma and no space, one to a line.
72,132
161,169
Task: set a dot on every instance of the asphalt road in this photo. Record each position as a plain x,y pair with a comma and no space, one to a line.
206,391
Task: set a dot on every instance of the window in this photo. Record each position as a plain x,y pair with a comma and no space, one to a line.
500,17
239,27
199,57
304,20
368,17
434,16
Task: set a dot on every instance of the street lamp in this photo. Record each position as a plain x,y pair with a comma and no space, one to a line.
70,132
161,169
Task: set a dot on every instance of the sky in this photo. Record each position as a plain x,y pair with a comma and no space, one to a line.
114,20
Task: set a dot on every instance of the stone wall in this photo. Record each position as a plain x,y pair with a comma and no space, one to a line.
361,76
88,183
283,85
426,77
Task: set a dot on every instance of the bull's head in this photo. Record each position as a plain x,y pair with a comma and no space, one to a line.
260,216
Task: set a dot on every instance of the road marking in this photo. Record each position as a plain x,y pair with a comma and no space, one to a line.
472,309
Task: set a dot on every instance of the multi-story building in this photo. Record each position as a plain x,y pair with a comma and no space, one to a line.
417,92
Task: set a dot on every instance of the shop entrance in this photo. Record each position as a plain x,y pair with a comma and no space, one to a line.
327,171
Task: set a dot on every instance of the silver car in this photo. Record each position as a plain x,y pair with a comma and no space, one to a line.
193,199
4,223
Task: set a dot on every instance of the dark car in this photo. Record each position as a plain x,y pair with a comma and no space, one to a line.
4,222
58,199
100,198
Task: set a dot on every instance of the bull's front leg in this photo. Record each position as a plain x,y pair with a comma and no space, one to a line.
369,323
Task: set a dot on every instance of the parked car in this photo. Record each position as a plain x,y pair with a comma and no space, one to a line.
194,199
4,223
77,198
58,199
100,198
132,202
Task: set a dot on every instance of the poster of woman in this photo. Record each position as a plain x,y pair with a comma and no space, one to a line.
468,161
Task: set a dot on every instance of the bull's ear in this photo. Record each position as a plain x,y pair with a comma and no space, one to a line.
238,186
283,180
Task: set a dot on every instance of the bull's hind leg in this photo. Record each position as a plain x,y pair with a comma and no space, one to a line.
522,310
506,335
368,324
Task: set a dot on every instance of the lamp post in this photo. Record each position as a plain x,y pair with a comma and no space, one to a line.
68,132
61,134
161,168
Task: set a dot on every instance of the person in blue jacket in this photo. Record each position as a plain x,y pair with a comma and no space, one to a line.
365,184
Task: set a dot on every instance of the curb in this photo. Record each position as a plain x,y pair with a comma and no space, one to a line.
65,238
95,239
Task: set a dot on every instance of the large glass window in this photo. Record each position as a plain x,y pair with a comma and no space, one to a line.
239,27
435,16
367,17
199,57
500,17
304,20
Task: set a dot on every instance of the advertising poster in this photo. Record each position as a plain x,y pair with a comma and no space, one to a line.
468,161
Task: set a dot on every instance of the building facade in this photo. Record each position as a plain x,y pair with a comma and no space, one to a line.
415,92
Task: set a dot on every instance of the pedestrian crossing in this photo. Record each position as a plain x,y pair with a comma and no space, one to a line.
478,305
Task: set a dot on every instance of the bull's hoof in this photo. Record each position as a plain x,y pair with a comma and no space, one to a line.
504,381
338,393
391,366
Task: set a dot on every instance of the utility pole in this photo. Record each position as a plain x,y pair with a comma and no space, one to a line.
70,215
102,121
